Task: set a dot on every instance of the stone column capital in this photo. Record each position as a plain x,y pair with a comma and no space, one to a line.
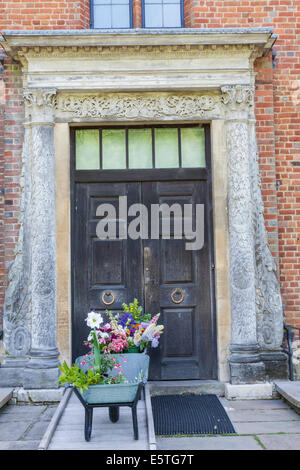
40,105
238,101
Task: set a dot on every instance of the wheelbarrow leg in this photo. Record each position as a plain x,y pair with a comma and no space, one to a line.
88,423
134,422
114,413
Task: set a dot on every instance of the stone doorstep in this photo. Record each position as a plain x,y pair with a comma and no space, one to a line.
263,391
290,390
5,395
178,387
37,396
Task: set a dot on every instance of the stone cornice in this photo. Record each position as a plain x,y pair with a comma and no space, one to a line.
260,38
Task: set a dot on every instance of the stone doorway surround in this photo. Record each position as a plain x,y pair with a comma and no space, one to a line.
140,76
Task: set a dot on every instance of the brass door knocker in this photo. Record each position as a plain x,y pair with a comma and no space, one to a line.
177,291
108,294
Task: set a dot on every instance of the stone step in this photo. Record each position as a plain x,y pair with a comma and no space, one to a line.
178,387
5,396
290,390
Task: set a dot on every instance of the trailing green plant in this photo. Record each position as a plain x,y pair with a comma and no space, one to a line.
79,378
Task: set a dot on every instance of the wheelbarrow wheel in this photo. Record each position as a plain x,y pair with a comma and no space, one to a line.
114,413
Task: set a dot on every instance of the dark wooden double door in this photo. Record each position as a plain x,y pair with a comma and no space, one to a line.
161,273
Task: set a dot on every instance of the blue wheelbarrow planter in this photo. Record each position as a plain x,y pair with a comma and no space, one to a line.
115,395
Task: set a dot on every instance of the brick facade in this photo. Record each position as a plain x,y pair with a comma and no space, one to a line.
277,112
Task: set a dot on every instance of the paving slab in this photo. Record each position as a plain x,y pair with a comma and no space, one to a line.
261,415
270,427
253,404
36,430
19,445
18,413
22,427
209,443
281,441
13,431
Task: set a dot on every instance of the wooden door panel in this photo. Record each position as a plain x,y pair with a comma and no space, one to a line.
104,270
187,349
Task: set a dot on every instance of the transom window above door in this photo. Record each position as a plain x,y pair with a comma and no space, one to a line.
139,148
118,14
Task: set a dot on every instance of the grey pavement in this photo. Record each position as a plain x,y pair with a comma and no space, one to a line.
23,426
259,425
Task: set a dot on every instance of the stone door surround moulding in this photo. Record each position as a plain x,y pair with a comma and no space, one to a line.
29,311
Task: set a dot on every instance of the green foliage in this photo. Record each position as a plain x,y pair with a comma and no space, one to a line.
97,353
136,311
80,379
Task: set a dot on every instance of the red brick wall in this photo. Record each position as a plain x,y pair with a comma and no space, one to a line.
277,112
52,14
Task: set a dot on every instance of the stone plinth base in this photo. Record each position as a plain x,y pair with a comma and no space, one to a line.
249,391
247,372
20,395
14,372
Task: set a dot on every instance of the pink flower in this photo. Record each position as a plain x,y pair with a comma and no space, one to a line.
83,363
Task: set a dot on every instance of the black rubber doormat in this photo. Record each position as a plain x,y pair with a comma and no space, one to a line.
190,414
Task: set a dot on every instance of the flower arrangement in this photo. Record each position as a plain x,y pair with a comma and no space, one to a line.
96,365
131,329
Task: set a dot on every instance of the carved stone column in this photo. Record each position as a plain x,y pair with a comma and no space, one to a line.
245,363
42,371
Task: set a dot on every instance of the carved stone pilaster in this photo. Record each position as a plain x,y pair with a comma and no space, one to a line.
43,353
245,363
30,303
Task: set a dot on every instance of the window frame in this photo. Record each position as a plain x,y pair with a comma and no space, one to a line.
92,18
152,128
163,27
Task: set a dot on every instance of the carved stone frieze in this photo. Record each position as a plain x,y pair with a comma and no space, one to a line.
139,106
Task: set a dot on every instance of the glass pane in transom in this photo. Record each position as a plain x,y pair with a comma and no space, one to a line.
192,147
166,148
140,148
113,149
87,149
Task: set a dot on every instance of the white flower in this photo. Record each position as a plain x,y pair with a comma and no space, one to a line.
94,319
102,334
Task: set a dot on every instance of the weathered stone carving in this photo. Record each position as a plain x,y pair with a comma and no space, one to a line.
242,273
143,106
238,96
16,312
268,298
40,104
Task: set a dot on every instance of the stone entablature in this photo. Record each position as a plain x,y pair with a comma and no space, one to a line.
208,90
